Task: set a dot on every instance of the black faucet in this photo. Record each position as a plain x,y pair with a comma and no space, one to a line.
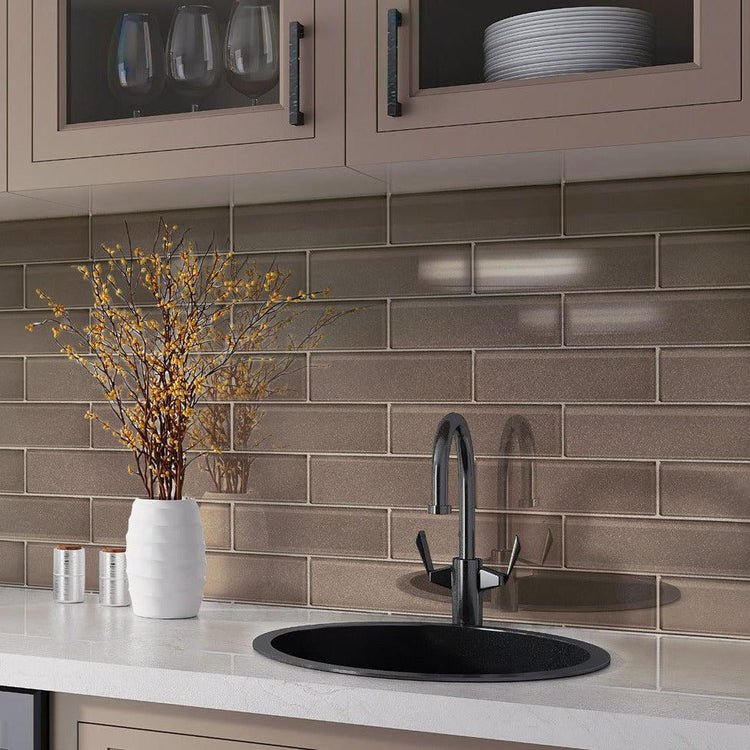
467,577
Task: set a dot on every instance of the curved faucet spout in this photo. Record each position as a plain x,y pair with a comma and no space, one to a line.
453,427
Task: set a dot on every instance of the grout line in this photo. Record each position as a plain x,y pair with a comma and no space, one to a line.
657,372
388,429
562,320
389,534
657,260
473,376
309,579
658,601
658,488
308,480
388,317
473,269
563,190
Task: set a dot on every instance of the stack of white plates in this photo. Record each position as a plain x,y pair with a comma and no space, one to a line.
568,40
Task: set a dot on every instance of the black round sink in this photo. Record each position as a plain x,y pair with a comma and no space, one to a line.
438,652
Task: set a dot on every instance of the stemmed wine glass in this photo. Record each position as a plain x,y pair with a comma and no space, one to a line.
194,65
251,47
135,64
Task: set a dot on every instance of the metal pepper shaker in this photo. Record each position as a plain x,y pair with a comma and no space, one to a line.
69,573
113,580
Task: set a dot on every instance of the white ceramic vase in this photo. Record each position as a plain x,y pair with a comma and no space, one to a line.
166,558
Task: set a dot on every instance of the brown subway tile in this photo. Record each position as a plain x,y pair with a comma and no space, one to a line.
203,226
338,583
477,322
273,478
12,562
705,259
713,490
61,281
59,379
256,578
566,264
701,666
572,486
82,473
658,318
11,379
11,286
49,239
290,384
11,471
110,522
660,204
294,264
528,211
541,536
38,425
413,427
316,531
360,325
657,431
704,374
393,271
708,605
439,376
596,375
324,428
15,339
658,546
55,518
307,224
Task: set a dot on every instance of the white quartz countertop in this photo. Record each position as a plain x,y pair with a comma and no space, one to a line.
660,692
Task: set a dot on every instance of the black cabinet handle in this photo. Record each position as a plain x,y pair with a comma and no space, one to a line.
296,32
394,21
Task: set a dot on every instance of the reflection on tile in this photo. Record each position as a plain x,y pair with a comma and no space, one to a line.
413,427
278,528
110,522
582,486
15,339
320,429
657,318
476,214
659,204
708,605
598,375
565,264
541,536
61,281
704,374
202,225
270,478
657,431
256,578
307,224
57,518
11,286
81,473
478,322
714,490
371,480
11,562
28,425
294,264
658,546
440,376
11,379
393,272
705,666
705,259
48,239
11,471
59,379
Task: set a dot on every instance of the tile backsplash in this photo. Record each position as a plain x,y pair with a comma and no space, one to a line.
597,341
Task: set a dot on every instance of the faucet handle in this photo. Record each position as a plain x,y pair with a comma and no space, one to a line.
443,576
514,553
491,579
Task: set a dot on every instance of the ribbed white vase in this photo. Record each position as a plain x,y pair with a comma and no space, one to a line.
166,558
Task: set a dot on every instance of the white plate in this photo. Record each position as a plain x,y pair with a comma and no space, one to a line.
553,70
584,32
583,54
567,52
578,14
609,64
571,40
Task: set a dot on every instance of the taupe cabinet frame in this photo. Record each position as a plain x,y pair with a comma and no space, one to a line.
45,152
703,99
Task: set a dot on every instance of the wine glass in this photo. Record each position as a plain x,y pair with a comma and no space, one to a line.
194,64
251,47
135,63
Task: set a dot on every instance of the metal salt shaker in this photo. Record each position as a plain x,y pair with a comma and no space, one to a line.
69,573
113,580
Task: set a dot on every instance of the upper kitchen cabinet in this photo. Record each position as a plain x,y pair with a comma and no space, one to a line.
434,79
109,91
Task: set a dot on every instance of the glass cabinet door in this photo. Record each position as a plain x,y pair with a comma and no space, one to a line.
443,63
134,76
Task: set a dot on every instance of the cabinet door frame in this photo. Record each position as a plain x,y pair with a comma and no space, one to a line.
464,121
3,94
45,153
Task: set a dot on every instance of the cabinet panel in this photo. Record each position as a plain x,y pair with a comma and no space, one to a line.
103,737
